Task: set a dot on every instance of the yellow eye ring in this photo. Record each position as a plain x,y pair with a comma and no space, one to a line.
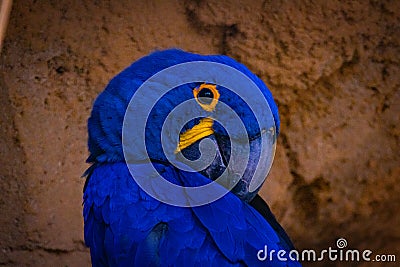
206,96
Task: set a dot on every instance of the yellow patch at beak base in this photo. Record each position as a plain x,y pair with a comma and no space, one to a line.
199,131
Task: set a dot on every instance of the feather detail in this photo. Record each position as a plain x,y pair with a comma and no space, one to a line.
124,226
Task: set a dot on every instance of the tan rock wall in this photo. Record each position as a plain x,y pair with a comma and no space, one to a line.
333,68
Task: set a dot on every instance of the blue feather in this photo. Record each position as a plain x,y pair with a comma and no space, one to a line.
105,122
124,226
125,229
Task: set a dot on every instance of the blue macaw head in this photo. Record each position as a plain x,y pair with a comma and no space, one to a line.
105,124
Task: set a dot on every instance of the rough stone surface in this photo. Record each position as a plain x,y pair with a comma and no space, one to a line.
333,68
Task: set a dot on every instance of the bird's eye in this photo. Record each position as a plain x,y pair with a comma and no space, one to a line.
207,96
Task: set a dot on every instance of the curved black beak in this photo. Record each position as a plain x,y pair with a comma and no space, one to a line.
242,177
246,171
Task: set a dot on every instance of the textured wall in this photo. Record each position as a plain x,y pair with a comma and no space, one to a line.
333,69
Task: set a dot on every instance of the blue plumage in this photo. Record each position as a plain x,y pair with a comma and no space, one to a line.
124,226
105,122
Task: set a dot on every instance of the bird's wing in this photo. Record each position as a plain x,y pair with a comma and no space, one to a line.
262,207
238,230
126,227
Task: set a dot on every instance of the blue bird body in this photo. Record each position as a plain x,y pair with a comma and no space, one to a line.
125,226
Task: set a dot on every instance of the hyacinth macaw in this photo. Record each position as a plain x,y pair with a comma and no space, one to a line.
124,226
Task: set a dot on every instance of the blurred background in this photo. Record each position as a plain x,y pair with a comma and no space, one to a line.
333,68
